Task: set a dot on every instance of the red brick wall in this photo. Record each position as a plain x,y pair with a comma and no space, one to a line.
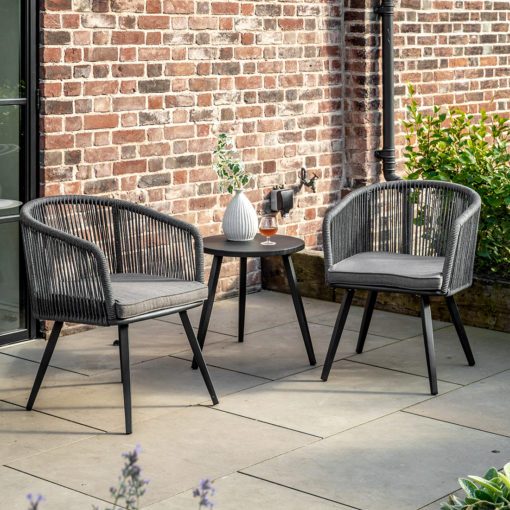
136,91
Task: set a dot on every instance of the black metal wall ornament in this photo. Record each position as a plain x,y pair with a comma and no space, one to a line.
308,183
387,154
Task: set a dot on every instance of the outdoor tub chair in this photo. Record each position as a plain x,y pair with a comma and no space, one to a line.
109,262
416,237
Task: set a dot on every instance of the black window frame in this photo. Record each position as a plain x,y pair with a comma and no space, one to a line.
29,155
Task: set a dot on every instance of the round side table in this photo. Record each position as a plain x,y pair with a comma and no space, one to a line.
219,247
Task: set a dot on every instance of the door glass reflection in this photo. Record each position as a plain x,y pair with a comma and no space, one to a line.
11,85
9,159
10,310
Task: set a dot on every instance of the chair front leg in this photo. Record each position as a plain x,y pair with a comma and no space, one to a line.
428,337
208,305
48,352
337,333
461,332
125,374
197,353
367,317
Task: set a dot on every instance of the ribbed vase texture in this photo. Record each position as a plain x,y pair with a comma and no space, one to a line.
240,220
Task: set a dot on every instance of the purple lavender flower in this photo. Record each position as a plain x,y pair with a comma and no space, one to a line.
34,502
204,491
131,485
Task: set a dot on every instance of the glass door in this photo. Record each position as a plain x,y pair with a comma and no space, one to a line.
18,153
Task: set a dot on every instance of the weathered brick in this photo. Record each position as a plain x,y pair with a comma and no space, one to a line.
154,86
128,5
149,118
154,180
130,167
99,186
101,121
178,6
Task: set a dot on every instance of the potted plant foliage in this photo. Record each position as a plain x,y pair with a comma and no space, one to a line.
240,218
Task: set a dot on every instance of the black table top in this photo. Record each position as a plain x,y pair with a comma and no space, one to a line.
285,245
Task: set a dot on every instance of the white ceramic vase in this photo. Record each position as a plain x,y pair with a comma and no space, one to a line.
240,221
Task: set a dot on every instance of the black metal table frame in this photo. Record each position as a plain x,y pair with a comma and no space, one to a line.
296,298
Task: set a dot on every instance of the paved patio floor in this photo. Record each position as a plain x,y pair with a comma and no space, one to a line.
370,438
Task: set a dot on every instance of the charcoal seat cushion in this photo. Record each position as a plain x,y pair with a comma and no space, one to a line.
136,294
391,270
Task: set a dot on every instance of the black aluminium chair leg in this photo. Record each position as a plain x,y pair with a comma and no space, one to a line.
48,352
461,332
125,373
337,333
198,355
365,323
207,307
428,337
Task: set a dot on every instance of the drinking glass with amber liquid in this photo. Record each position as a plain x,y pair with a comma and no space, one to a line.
268,227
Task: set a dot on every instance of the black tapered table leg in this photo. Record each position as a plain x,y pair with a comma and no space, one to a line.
242,299
337,333
197,352
367,317
125,374
208,305
48,352
298,306
428,337
459,327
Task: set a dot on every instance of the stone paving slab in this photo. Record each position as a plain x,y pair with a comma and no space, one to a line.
490,348
156,387
474,406
280,351
370,460
263,310
16,486
354,394
391,325
400,462
92,352
24,433
178,449
18,375
242,492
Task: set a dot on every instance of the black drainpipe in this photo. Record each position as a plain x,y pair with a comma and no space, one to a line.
387,153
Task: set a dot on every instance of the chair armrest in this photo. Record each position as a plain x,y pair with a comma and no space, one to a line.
346,228
68,277
150,242
461,250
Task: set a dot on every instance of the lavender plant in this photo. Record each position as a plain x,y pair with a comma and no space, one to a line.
131,484
34,501
131,488
204,491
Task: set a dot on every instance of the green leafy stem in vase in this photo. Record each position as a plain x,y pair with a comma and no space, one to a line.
228,166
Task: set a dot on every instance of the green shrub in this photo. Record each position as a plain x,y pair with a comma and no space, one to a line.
492,492
454,146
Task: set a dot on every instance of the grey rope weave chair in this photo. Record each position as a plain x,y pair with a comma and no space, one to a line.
110,263
415,237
